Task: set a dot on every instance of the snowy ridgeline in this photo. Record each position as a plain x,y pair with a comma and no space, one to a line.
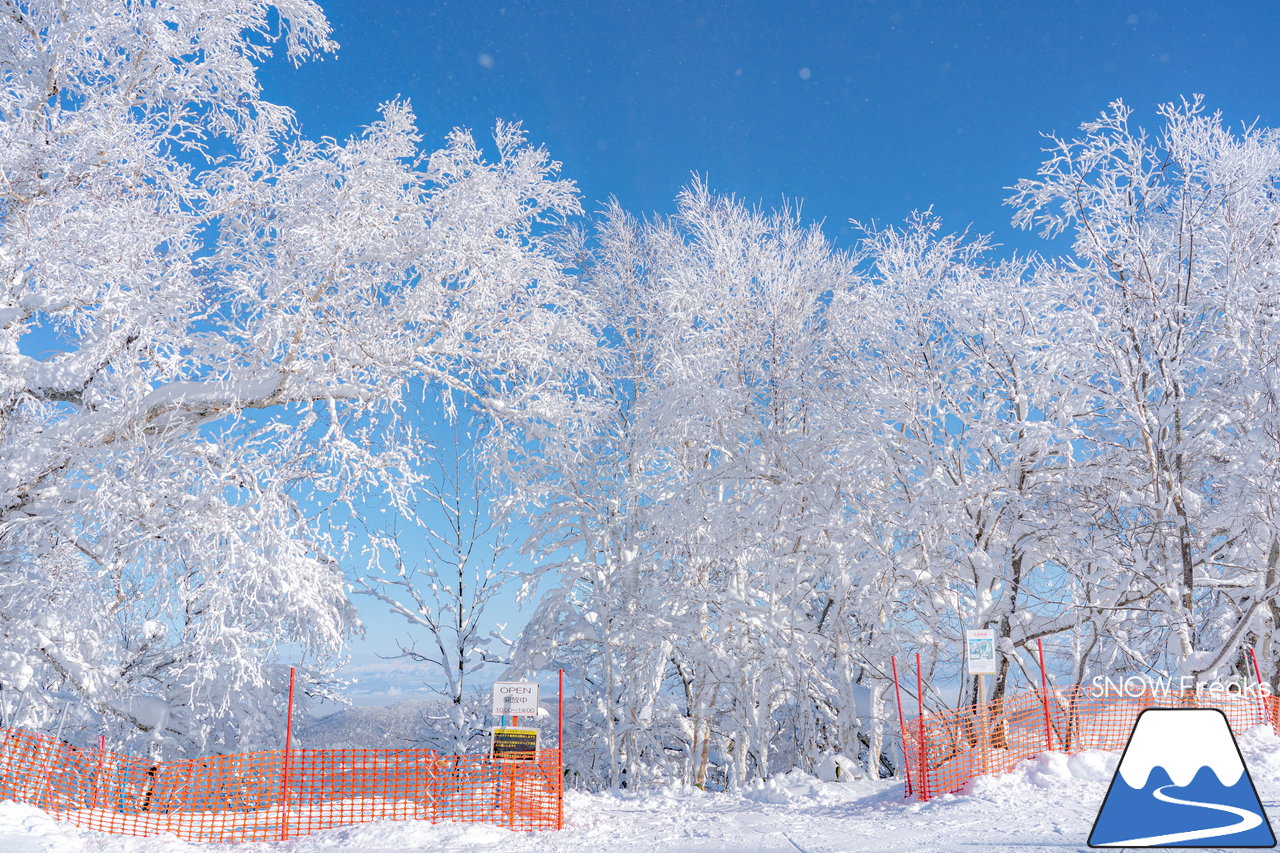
401,725
1047,804
412,724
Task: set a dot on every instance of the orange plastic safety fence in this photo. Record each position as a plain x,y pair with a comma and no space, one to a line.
261,797
962,744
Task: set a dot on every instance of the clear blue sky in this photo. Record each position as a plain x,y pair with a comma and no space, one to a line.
902,105
863,110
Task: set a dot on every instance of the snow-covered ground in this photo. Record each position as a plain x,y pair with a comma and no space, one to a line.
1045,804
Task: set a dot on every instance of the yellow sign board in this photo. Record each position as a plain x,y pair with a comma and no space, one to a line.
519,744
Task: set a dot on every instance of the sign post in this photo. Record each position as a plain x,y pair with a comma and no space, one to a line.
510,743
980,655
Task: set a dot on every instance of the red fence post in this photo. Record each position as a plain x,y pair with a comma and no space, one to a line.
102,763
1044,697
1269,702
560,752
902,724
288,745
924,747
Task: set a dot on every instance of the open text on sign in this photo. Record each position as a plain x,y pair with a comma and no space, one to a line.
515,698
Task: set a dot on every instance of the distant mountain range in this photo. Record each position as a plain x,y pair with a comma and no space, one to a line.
400,725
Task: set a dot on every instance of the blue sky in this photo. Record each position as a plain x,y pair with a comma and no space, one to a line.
859,110
863,110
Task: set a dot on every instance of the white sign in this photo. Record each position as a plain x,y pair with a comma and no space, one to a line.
980,652
516,698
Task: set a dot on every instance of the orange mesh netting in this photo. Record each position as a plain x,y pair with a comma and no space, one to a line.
267,796
963,744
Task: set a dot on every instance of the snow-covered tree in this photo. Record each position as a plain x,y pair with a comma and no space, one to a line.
798,464
444,596
207,323
700,499
1174,257
966,404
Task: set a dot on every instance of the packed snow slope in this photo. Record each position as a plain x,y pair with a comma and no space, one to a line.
1047,804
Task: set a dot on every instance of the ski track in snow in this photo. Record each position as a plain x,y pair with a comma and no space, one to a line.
830,817
1046,804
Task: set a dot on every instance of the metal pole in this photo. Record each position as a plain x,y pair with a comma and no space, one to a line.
1044,697
288,746
62,718
902,723
22,707
924,747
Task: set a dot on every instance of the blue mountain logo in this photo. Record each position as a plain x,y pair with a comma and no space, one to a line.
1182,783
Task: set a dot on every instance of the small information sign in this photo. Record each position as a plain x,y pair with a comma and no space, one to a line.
515,698
517,744
980,651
